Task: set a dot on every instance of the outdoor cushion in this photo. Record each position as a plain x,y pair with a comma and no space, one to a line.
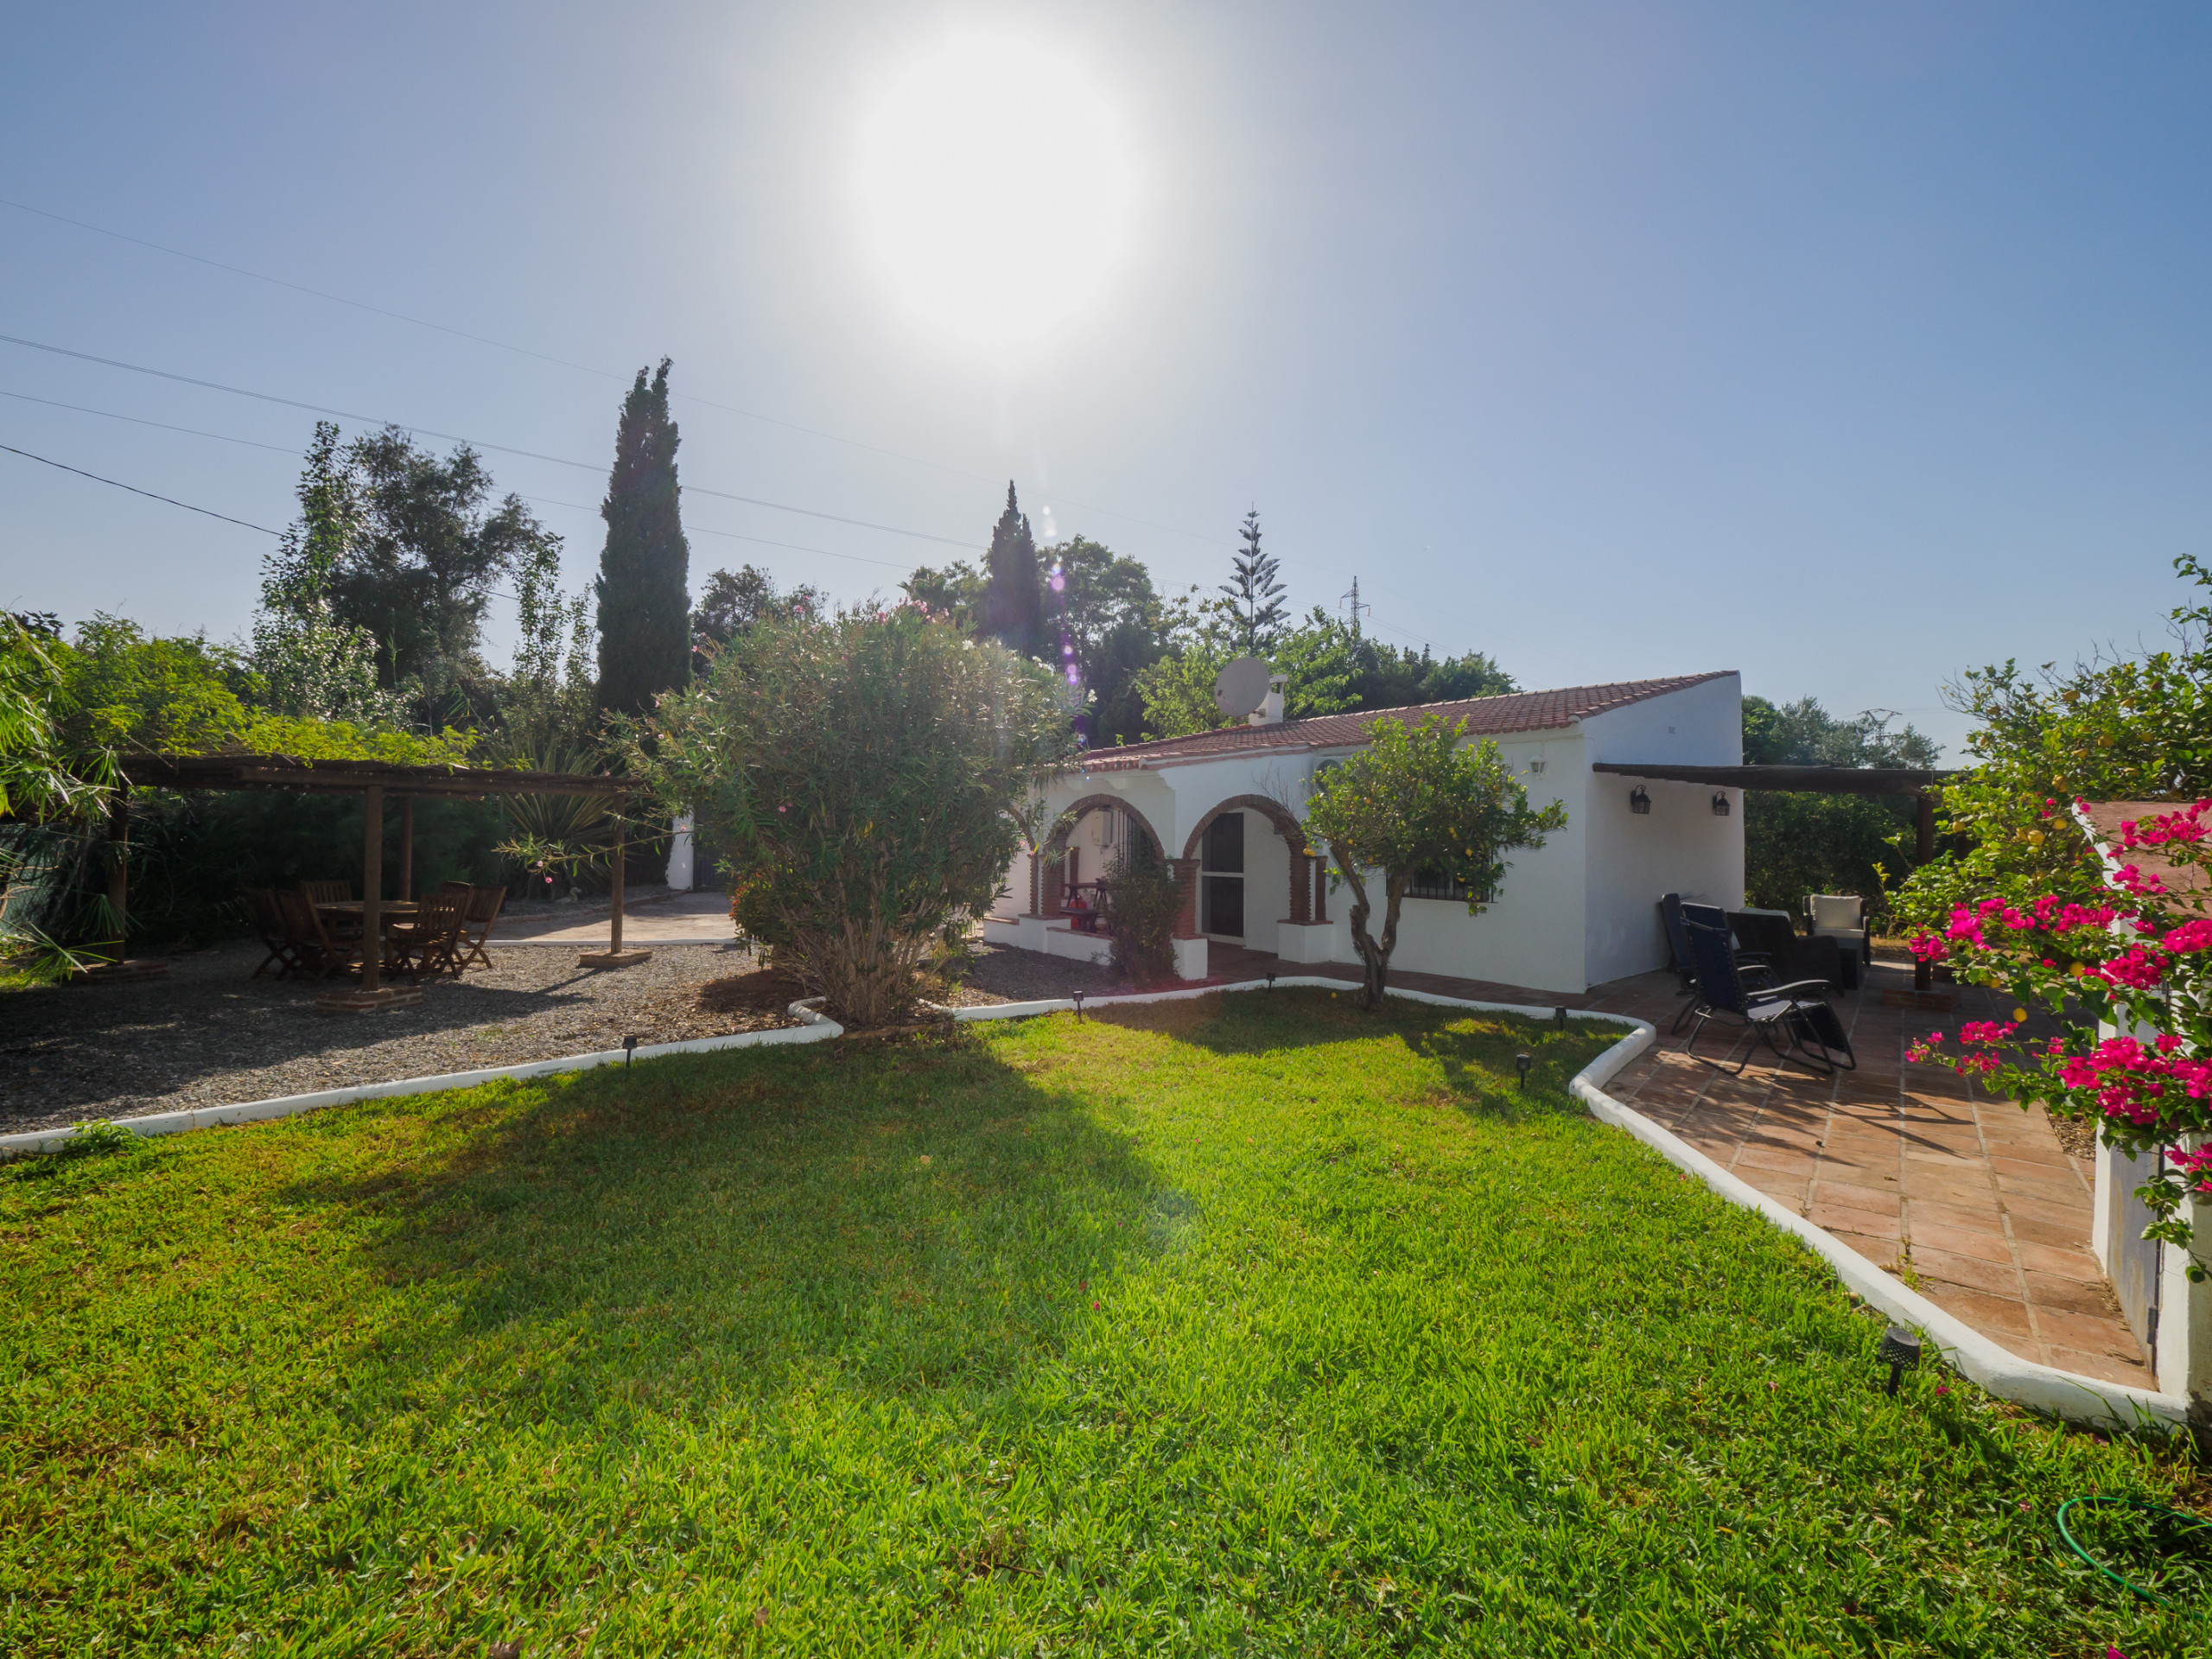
1836,912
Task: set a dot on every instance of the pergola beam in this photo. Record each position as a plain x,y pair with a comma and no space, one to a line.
372,780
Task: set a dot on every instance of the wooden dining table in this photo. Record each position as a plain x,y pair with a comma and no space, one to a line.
386,909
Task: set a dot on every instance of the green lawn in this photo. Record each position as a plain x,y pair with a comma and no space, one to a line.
1257,1326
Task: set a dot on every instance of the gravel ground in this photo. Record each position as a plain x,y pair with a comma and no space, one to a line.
209,1035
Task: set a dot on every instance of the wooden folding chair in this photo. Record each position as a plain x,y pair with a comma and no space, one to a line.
484,905
261,909
429,941
268,920
315,950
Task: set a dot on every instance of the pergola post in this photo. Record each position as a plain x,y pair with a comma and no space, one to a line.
119,868
372,992
614,942
406,848
372,890
614,956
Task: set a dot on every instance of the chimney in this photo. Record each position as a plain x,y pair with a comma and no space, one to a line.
1270,712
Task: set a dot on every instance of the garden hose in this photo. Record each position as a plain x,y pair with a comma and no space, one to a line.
2195,1521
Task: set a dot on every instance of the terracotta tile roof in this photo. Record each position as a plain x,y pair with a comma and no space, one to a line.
1519,711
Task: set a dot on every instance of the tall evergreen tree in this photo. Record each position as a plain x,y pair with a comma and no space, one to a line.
1013,596
1256,591
644,585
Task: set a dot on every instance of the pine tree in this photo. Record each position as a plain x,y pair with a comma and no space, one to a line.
644,585
1256,591
1013,596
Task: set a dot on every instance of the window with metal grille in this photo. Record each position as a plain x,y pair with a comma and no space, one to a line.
1434,884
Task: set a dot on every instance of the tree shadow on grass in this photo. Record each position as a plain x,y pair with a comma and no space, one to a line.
723,1228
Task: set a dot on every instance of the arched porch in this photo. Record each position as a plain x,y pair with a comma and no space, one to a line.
1306,889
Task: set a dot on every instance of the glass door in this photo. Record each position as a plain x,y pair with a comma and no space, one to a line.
1221,878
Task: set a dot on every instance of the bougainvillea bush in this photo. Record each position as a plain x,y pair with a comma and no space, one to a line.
2132,980
2020,896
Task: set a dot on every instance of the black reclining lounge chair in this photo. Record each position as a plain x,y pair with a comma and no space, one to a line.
1798,1011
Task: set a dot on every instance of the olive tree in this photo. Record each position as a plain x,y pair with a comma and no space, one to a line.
1419,800
864,774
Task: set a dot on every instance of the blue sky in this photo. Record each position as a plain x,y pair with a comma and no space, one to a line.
1845,346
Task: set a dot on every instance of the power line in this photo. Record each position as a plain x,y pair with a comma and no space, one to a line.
135,490
193,432
455,437
584,368
730,535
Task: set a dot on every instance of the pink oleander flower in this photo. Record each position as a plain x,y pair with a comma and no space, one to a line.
1926,947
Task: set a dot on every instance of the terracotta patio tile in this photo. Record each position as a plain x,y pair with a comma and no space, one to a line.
1849,1197
2065,1236
1994,1314
2104,1367
1933,1166
1788,1160
2051,1191
2074,1211
1930,1213
1775,1135
1882,1252
2076,1263
1960,1241
1775,1184
1977,1196
2067,1296
1836,1218
2057,1167
1992,1278
2092,1333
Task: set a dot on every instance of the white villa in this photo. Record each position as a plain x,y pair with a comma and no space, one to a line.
1225,806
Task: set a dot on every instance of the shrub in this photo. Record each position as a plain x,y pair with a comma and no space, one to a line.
1138,900
863,774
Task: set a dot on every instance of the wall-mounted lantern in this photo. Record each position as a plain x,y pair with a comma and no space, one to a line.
1639,801
1720,802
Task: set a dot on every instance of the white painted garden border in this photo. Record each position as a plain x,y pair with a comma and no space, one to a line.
2041,1388
816,1027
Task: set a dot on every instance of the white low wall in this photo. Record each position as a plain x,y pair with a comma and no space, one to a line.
1074,945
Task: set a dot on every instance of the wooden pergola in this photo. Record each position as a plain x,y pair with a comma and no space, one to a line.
372,780
1819,780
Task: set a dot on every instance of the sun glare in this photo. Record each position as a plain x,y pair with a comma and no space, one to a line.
996,188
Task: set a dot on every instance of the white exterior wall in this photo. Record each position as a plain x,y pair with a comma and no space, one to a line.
1681,846
1581,909
1533,935
1013,898
1267,881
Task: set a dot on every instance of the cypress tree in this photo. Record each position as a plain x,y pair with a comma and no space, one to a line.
644,585
1013,596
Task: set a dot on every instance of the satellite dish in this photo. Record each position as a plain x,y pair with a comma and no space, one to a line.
1240,687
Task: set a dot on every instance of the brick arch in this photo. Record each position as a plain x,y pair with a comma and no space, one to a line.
1059,838
1274,811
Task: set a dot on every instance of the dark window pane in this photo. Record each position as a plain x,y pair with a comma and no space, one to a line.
1224,844
1224,899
